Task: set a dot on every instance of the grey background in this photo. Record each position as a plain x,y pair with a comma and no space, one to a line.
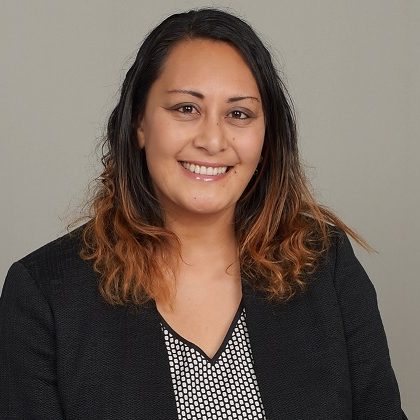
352,69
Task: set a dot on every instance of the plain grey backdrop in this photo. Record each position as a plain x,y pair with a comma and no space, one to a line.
352,68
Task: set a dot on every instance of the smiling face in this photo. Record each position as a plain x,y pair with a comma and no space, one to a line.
202,128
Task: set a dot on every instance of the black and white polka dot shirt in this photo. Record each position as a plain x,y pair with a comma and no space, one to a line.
222,387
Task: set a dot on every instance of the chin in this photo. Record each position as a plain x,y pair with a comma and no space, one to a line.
208,208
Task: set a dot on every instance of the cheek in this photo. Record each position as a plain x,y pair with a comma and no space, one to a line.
251,147
166,136
161,148
159,140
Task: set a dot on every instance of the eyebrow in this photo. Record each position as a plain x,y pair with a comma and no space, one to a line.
201,96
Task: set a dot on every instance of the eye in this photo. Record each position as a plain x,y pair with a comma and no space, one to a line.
185,109
239,115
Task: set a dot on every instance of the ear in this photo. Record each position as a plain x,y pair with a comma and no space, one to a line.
140,134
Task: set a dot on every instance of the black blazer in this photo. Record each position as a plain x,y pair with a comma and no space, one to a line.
66,353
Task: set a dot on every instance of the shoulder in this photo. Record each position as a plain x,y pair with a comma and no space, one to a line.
65,246
339,274
54,262
344,281
347,271
338,253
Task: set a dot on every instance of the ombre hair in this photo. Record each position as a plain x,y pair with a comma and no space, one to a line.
281,231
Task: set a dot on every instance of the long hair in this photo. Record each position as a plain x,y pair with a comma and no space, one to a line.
281,230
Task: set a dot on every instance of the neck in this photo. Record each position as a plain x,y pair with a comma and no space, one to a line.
207,241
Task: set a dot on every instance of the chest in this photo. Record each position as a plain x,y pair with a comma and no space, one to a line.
115,361
206,324
203,384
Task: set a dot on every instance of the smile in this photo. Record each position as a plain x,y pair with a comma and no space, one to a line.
205,170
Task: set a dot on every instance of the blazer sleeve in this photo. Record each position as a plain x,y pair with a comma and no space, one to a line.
28,382
374,386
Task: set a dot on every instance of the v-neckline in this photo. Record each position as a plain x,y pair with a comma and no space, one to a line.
222,347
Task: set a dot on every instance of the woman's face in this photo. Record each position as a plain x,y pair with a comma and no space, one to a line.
202,129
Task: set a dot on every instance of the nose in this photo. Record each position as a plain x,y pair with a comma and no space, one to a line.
211,136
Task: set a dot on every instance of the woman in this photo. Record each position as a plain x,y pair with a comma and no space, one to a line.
208,282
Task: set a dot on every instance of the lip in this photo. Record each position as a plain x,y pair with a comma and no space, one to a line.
207,164
200,177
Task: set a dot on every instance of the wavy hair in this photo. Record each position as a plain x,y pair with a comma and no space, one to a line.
281,230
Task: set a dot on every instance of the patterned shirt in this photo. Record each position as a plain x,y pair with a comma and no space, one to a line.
224,386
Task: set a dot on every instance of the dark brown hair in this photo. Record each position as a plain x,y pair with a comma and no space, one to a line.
281,230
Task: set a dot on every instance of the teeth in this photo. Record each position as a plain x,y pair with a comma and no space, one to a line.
204,170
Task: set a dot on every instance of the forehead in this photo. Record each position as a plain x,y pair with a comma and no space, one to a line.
207,64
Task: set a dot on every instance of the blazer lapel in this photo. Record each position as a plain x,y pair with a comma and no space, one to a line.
265,351
150,394
300,365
